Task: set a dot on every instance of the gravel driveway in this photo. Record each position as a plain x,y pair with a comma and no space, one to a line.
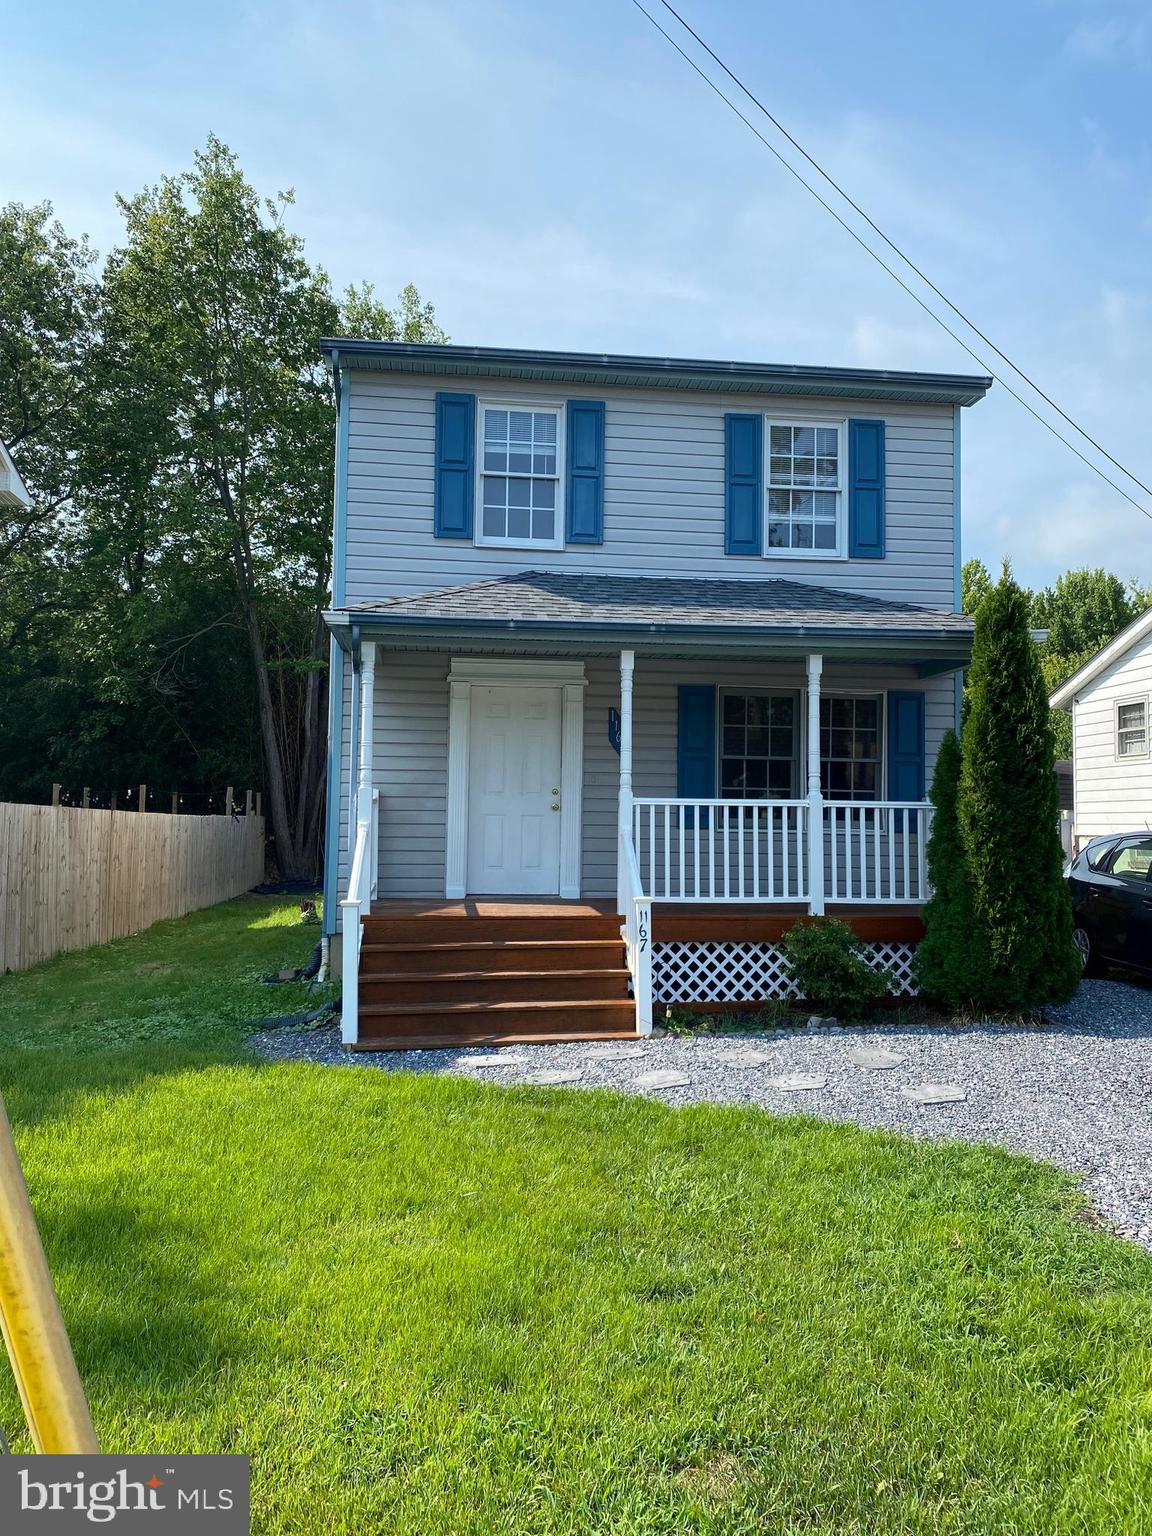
1077,1092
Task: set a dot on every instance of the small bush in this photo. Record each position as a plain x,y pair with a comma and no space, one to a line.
830,968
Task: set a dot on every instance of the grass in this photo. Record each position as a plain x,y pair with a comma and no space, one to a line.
435,1307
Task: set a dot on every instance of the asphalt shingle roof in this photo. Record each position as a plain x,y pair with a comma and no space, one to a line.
546,597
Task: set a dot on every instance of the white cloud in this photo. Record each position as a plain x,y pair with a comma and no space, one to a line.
1117,37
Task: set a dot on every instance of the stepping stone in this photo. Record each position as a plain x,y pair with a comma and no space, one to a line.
610,1053
662,1080
799,1082
748,1059
552,1075
934,1093
875,1061
504,1059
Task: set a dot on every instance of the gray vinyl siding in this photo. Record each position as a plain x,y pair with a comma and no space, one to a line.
410,745
1112,794
663,494
411,751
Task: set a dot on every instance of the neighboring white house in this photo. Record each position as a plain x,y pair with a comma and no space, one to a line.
1110,700
13,492
651,643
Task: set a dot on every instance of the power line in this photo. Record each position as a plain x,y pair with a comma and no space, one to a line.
911,292
904,257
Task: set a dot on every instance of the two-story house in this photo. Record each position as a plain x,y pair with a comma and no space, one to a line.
635,661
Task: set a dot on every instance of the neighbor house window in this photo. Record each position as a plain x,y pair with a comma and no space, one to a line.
804,489
850,748
1132,729
757,746
520,454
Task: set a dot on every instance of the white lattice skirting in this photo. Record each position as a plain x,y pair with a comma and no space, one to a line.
690,971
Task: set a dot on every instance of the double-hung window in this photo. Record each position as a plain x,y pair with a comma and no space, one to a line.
1132,728
761,746
850,747
521,452
757,746
805,489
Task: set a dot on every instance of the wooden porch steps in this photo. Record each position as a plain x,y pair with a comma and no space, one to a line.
492,974
455,1041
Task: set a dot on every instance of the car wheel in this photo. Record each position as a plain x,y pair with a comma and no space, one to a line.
1089,966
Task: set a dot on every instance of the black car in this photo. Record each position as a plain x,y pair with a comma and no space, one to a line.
1112,901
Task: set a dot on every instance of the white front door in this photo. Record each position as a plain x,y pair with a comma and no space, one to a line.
514,791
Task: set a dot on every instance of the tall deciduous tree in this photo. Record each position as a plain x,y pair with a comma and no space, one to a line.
213,311
1020,953
160,609
48,300
1083,610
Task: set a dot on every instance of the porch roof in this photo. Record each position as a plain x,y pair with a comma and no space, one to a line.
573,613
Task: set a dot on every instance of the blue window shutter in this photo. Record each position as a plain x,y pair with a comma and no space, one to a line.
906,777
585,447
866,490
455,465
743,484
696,744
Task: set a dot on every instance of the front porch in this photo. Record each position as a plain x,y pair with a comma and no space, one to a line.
682,805
706,885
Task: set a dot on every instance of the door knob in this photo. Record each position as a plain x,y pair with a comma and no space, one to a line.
555,805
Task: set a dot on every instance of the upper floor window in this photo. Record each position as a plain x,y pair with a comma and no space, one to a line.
805,490
520,466
1132,729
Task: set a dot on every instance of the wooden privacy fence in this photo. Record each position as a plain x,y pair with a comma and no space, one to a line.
71,877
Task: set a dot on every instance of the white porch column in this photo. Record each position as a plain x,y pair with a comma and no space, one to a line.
459,715
815,798
359,896
367,712
627,667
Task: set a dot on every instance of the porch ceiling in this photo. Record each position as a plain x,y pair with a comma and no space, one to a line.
548,613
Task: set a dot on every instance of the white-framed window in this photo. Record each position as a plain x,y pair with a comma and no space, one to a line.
758,745
761,746
805,489
520,462
851,746
1132,728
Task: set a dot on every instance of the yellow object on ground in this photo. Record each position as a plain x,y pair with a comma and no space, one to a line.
34,1331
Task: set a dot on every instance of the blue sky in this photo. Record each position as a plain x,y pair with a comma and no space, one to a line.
553,175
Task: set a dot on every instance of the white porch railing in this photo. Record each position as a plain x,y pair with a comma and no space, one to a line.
362,886
874,851
722,850
727,851
637,933
744,851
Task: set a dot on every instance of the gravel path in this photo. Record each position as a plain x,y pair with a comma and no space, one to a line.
1077,1092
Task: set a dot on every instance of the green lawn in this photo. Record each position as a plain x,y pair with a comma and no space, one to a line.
433,1307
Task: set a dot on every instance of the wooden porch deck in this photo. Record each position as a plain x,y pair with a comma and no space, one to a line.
514,971
744,922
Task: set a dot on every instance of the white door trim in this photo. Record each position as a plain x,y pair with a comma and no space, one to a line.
568,677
